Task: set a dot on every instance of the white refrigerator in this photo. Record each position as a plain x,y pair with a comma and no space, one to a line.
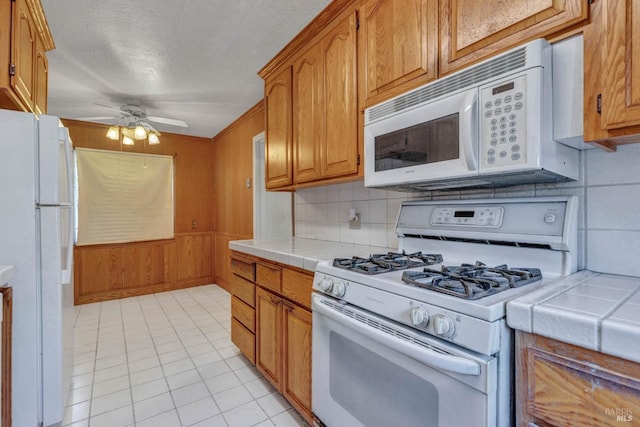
36,237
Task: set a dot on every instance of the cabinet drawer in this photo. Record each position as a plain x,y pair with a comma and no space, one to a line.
243,289
297,287
269,276
244,313
243,339
243,267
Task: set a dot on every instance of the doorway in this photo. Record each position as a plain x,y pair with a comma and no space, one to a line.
272,217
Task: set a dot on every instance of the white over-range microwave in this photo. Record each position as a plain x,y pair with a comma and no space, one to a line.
488,125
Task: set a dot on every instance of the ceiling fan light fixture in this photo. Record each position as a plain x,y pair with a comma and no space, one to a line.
127,140
153,138
129,132
139,132
113,133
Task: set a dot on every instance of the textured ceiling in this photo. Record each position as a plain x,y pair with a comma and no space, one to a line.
191,60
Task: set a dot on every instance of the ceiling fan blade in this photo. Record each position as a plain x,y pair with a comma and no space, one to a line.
96,118
164,120
111,107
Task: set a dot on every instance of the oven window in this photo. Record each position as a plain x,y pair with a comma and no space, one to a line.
376,391
429,142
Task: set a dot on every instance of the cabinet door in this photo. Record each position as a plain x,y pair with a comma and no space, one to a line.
559,384
398,46
471,30
278,149
269,336
297,357
23,45
41,78
339,152
621,84
307,115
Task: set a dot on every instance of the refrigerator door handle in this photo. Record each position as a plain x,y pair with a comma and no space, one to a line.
64,136
67,272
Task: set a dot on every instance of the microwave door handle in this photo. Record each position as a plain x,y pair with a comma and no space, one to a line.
451,363
468,114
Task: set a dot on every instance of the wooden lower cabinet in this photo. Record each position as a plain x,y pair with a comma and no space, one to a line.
559,384
269,336
296,349
271,324
283,348
6,336
243,303
244,339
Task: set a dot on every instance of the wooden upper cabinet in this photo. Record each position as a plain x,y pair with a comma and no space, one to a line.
325,105
307,115
472,30
398,44
611,74
279,140
621,54
25,38
339,153
41,79
23,49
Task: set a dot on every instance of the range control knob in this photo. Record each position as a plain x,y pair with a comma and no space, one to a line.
326,285
443,325
339,289
419,316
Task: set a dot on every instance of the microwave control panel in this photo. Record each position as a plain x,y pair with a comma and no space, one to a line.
473,216
503,123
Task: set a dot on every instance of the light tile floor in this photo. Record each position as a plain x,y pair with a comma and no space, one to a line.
167,360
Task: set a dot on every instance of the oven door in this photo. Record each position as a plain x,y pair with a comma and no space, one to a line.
369,371
435,141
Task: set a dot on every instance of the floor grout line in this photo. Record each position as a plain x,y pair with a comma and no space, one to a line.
165,316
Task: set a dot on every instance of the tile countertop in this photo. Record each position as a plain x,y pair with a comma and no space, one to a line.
6,274
302,253
597,311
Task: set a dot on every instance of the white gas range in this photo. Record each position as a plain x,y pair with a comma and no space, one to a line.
426,326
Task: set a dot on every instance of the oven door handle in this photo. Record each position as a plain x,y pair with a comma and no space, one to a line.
447,362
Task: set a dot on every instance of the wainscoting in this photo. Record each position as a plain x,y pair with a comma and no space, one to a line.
105,272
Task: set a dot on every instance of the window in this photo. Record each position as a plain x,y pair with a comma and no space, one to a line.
123,197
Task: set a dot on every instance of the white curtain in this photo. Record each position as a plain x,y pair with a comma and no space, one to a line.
123,197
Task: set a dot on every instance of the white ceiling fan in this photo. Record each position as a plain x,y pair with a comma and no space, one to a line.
133,123
133,113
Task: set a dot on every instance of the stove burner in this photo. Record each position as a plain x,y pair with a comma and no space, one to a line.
382,263
472,281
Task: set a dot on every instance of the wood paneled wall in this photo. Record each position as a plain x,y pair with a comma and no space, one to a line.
112,271
233,201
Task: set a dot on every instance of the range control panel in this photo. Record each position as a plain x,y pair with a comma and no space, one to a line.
474,216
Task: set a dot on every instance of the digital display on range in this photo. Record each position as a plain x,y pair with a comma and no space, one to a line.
464,214
503,88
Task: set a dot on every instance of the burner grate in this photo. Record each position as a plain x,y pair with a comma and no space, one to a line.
472,281
382,263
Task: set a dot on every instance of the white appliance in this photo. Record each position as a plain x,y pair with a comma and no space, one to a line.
488,125
36,231
396,342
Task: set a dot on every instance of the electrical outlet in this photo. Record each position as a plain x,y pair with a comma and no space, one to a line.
354,222
194,224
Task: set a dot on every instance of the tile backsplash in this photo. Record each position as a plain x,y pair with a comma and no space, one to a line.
609,213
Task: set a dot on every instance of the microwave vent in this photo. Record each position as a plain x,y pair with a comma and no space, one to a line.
473,75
